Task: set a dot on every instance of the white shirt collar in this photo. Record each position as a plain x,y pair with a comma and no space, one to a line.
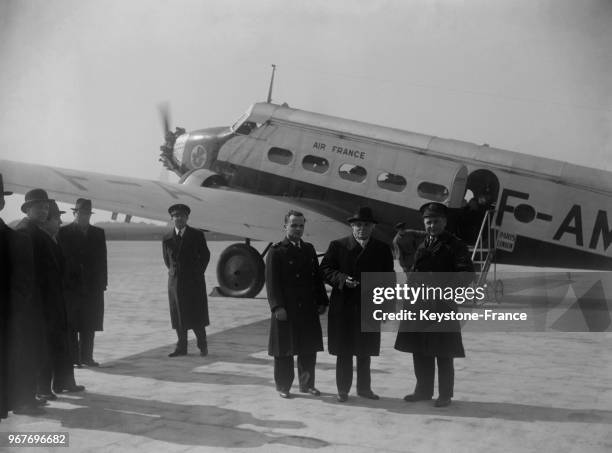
179,232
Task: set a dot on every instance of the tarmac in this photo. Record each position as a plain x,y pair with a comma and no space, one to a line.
516,392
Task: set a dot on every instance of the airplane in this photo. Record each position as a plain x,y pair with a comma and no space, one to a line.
242,179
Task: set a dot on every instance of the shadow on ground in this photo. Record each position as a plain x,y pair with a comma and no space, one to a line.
197,425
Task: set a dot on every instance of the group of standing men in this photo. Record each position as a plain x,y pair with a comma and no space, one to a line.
296,293
52,293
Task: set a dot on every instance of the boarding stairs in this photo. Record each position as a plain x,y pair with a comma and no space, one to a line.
483,257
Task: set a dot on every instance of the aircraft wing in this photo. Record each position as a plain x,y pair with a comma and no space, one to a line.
226,211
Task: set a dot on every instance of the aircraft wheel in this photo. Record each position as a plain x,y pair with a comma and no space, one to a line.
240,271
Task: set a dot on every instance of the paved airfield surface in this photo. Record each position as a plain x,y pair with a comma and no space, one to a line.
544,392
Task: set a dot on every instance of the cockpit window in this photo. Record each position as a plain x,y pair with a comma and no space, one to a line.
390,181
246,128
432,191
352,172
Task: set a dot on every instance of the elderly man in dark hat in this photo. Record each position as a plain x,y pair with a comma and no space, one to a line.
17,388
186,256
441,260
84,248
31,353
342,266
57,369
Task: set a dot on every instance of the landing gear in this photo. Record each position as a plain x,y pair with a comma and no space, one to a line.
240,271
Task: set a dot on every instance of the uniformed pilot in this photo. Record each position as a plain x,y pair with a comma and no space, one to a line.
297,297
439,255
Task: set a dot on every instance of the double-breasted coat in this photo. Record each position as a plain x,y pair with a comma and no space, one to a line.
444,263
295,283
86,276
186,260
345,257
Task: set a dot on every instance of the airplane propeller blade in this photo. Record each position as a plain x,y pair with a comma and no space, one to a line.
164,112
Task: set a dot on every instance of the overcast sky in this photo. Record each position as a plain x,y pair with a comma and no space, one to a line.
81,79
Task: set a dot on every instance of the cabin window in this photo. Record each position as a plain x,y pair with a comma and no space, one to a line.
315,163
352,172
432,191
390,181
280,155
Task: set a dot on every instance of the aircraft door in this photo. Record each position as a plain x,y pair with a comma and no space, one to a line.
458,188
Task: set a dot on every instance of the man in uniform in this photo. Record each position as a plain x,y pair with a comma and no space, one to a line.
84,247
342,266
186,256
297,297
441,252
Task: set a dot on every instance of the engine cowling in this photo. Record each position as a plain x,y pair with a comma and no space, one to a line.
203,177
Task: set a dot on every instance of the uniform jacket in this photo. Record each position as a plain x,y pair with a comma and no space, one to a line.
295,283
345,257
446,255
86,276
186,260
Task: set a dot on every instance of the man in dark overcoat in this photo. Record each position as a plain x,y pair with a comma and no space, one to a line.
16,264
57,368
342,266
441,256
297,297
186,256
84,247
29,352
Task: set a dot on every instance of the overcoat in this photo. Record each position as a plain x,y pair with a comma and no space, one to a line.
86,276
294,282
16,273
447,258
345,257
186,260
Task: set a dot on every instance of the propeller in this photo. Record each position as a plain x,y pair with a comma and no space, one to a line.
170,137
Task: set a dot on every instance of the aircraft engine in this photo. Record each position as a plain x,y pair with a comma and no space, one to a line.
203,178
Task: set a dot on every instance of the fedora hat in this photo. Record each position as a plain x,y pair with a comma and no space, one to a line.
4,192
54,210
434,210
179,208
363,214
34,196
83,204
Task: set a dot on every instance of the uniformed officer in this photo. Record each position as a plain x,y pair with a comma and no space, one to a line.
439,255
186,256
297,297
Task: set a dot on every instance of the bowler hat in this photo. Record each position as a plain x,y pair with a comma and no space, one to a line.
54,210
363,214
34,196
4,192
83,204
434,210
179,208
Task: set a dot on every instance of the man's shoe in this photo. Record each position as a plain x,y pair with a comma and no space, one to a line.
177,353
413,398
27,409
46,396
74,388
442,402
342,397
91,363
284,394
369,395
38,402
313,391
